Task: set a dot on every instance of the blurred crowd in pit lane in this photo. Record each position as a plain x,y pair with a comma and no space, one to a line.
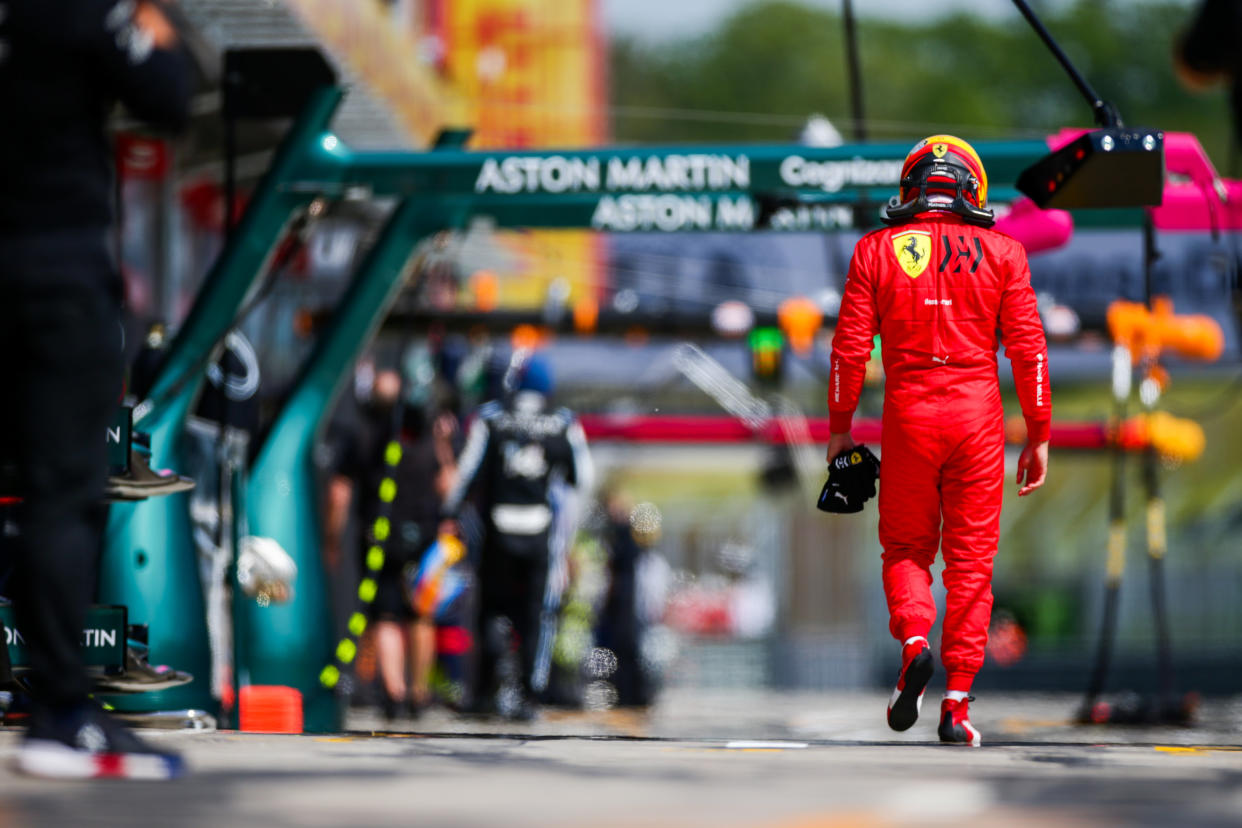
612,612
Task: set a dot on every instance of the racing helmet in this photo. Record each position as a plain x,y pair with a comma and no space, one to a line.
942,172
527,370
536,375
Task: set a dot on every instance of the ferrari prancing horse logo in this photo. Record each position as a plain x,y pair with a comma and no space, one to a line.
913,251
939,150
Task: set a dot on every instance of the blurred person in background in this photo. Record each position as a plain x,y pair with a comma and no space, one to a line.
944,291
638,587
587,582
619,625
749,596
64,64
517,452
403,414
349,438
1208,53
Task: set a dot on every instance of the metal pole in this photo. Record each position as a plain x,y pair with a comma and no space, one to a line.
1106,114
854,71
230,195
1122,379
1157,536
165,288
1156,547
862,211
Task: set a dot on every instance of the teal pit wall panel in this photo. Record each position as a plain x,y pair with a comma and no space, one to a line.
149,562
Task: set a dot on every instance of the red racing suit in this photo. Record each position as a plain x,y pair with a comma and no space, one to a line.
942,294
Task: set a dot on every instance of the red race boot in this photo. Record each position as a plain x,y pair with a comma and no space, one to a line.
916,671
955,726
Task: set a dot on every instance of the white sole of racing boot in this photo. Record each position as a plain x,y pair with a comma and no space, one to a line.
907,699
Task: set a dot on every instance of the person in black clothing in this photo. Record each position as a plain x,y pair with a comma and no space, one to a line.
1208,52
64,64
516,454
401,413
620,627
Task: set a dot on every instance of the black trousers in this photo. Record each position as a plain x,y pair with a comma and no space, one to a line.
61,370
621,631
513,587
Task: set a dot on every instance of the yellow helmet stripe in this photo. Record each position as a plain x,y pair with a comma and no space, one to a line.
964,149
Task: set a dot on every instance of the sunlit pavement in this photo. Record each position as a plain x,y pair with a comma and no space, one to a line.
720,759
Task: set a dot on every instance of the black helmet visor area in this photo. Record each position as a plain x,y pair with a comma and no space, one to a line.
920,175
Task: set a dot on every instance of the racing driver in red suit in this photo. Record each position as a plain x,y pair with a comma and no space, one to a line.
943,290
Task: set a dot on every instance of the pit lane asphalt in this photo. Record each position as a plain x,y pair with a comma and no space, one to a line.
696,759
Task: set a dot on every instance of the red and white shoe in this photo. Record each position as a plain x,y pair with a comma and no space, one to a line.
955,726
916,670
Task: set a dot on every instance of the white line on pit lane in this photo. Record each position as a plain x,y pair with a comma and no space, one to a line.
765,745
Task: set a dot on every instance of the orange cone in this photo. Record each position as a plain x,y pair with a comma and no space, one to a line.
271,709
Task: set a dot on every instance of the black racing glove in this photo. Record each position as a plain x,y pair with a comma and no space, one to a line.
851,481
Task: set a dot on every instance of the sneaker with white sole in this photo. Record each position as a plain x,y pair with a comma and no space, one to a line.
955,726
141,481
86,743
141,676
917,667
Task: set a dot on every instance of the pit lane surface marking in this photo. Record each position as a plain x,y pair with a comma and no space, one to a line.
700,745
1188,749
